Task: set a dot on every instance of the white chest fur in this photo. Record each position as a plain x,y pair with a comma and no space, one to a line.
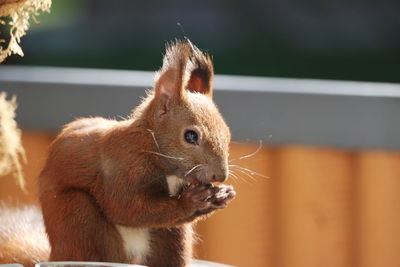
174,184
136,242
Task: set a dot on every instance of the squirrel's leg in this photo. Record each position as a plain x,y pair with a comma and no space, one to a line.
171,246
78,230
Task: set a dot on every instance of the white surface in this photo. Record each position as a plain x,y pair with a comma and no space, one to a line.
84,263
201,263
195,263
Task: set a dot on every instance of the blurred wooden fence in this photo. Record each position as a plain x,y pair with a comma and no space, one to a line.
320,207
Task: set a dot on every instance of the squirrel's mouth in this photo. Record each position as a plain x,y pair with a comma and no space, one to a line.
193,181
194,178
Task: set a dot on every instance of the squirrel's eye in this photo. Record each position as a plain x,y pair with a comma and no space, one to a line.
191,137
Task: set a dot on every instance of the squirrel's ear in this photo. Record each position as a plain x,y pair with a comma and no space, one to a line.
170,79
201,72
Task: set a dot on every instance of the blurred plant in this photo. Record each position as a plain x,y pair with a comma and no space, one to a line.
18,12
15,14
11,150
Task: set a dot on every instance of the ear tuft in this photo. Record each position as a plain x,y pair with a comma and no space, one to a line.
184,67
170,78
201,72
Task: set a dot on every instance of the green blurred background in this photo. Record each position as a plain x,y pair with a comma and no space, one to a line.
325,39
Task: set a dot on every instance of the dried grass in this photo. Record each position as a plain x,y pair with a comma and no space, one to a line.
11,150
19,12
16,14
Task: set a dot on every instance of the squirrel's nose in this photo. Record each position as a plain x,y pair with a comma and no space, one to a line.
219,174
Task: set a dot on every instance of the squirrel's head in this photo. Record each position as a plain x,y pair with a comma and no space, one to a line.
190,136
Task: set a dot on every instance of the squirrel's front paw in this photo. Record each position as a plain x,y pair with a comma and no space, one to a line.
223,194
203,199
196,197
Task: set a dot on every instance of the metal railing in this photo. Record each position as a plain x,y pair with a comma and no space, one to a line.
277,111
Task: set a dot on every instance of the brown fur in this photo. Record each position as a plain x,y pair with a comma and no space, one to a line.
101,173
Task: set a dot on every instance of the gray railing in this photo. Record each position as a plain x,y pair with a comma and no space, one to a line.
277,111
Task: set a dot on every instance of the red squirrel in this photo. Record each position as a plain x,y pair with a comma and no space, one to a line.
128,191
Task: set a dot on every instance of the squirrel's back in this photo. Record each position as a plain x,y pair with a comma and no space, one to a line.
23,238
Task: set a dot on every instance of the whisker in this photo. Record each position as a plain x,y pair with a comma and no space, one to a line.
241,142
154,139
163,155
231,171
158,148
192,169
243,178
249,171
234,176
260,145
247,174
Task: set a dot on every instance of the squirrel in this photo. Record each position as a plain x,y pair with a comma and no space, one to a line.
129,191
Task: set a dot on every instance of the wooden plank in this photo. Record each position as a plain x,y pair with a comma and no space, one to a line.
378,231
314,208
